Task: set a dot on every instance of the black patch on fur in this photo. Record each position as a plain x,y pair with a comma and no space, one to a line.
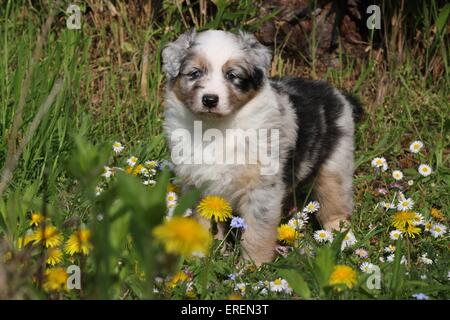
253,80
317,109
358,111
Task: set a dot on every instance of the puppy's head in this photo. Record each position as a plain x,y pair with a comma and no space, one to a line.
214,73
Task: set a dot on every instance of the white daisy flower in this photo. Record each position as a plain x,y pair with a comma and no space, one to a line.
424,259
171,197
395,234
277,285
98,190
348,241
389,249
425,170
151,163
312,207
367,267
241,287
132,161
397,175
405,204
323,236
108,172
362,253
387,205
280,285
390,258
302,216
380,162
296,223
437,230
419,219
415,146
117,147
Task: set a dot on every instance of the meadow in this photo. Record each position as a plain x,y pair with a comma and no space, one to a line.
86,182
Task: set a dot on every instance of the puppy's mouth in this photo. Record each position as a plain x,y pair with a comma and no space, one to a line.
213,113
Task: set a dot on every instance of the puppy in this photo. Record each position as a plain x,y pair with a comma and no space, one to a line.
217,83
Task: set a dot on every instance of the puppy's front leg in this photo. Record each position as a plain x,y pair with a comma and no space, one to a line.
261,209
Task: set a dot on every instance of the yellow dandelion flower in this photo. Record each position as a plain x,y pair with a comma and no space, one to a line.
214,207
54,256
402,218
50,236
437,214
183,236
79,242
55,279
177,278
129,170
138,169
36,219
26,239
287,234
411,231
343,275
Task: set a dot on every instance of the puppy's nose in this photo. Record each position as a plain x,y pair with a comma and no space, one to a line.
210,100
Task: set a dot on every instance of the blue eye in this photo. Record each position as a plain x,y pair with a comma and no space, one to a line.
195,74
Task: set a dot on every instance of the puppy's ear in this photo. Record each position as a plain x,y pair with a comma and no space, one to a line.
258,55
174,53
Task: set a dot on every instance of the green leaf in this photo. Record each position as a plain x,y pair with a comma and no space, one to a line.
187,201
296,282
323,265
398,272
337,243
442,18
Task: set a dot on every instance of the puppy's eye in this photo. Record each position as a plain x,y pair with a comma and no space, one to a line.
231,75
195,74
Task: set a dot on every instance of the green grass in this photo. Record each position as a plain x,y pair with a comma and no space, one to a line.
112,90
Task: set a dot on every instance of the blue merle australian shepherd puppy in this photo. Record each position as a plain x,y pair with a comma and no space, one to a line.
219,80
